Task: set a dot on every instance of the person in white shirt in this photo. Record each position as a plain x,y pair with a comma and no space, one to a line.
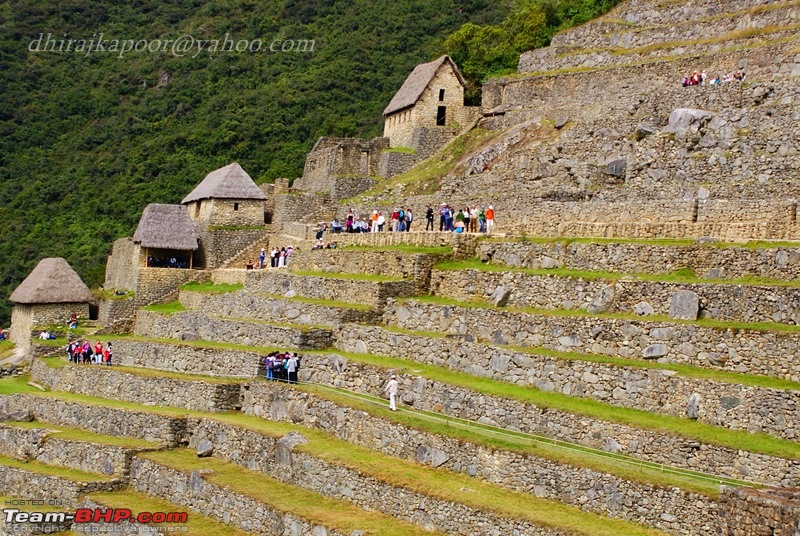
391,390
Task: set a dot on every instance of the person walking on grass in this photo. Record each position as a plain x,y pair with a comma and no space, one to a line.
391,390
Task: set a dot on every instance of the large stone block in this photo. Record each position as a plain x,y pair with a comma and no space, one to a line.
684,305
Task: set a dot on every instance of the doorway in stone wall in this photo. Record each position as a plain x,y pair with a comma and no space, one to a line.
441,116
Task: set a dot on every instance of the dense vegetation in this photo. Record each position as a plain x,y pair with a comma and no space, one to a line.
87,140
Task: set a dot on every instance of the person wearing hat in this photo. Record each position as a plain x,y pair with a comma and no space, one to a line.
391,390
489,219
261,257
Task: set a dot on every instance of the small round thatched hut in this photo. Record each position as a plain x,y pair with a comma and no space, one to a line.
51,294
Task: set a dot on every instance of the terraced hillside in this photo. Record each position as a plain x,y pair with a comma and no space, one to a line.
532,400
595,135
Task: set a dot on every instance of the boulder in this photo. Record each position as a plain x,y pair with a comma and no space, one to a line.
643,309
285,446
655,351
603,300
643,131
500,296
205,448
684,305
561,122
616,167
693,407
684,119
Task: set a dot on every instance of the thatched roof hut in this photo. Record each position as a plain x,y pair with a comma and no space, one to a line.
229,182
166,227
412,89
52,281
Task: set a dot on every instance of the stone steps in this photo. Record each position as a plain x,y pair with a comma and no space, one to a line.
603,292
57,445
749,349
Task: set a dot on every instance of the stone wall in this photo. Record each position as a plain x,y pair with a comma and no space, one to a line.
366,292
741,350
706,261
21,325
220,245
672,510
395,162
300,206
243,304
177,357
104,420
738,407
121,266
197,326
116,310
158,285
650,445
755,512
43,445
113,384
742,303
463,244
338,157
245,212
36,486
193,491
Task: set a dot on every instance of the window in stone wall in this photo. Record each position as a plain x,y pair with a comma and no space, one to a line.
236,206
441,116
441,94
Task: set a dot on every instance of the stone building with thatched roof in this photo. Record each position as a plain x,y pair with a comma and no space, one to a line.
227,197
432,96
49,295
166,237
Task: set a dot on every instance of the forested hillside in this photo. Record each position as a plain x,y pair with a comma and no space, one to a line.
86,141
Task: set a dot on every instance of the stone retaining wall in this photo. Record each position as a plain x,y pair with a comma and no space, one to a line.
243,304
105,420
45,446
742,303
704,260
341,483
734,406
156,285
672,510
116,310
113,384
650,445
36,486
763,353
197,326
755,512
195,492
177,357
372,293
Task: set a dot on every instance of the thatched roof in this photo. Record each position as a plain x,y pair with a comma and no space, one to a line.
165,227
52,281
229,182
417,81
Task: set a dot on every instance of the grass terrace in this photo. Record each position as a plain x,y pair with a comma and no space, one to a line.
51,470
212,288
78,434
403,248
683,275
320,301
166,308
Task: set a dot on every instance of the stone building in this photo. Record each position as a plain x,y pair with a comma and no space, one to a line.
166,237
432,96
51,294
227,197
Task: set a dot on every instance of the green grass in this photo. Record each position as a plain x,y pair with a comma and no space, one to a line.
682,427
321,301
356,277
6,349
333,514
682,275
404,248
52,470
166,308
771,327
16,384
138,502
192,344
78,434
57,363
218,288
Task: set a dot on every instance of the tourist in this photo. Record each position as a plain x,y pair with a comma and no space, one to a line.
349,221
291,368
429,218
282,257
249,265
482,221
474,214
395,219
489,219
448,218
273,257
336,226
44,335
409,219
391,390
321,229
465,212
97,358
107,355
381,221
442,217
261,258
374,221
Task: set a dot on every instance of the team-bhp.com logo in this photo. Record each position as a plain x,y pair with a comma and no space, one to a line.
94,515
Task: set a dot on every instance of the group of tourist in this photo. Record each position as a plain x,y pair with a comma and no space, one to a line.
700,78
163,262
80,351
282,366
464,220
278,258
